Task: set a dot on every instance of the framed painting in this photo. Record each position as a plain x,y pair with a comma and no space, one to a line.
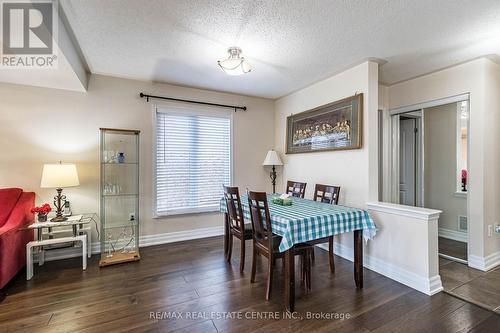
334,126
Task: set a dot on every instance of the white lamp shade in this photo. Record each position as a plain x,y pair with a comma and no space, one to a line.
59,176
272,158
235,64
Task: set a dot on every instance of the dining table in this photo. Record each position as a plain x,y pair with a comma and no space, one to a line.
305,221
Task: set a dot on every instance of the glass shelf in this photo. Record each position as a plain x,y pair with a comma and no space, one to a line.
120,195
124,163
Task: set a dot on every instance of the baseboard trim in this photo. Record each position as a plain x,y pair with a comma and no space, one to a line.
144,241
429,286
453,235
485,263
179,236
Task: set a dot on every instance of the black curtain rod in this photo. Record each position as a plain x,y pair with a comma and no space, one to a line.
235,107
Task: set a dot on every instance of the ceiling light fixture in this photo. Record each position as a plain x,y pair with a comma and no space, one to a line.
235,64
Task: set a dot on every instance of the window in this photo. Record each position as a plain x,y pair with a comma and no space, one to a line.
193,160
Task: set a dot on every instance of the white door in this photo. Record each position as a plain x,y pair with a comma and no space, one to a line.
407,161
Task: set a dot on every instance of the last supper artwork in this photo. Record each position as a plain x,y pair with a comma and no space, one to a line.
335,126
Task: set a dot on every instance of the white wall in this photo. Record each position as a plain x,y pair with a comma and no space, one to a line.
383,104
383,97
440,172
406,247
354,170
346,168
47,125
478,78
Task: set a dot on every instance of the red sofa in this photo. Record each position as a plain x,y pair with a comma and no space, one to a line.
15,206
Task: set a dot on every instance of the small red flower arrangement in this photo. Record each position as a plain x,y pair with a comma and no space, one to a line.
43,209
42,212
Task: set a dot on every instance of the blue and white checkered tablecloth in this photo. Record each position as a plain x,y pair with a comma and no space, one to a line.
306,220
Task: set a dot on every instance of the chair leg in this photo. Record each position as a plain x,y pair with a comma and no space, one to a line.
254,262
242,255
229,248
302,266
330,254
269,278
312,255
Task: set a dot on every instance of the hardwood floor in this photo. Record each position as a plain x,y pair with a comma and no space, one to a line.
453,248
478,287
192,278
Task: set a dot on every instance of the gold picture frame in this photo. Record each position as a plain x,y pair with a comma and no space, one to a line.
333,126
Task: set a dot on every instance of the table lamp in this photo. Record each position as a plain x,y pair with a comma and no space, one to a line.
59,176
272,158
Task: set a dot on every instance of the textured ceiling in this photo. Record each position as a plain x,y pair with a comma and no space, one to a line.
290,44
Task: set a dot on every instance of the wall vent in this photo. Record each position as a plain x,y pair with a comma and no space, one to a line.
462,223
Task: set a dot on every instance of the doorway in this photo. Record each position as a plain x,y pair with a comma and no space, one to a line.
429,160
410,159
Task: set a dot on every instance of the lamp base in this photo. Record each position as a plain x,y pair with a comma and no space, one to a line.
58,219
59,201
272,175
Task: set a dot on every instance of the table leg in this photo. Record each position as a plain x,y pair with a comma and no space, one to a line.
226,233
89,243
290,280
41,256
358,258
84,251
29,261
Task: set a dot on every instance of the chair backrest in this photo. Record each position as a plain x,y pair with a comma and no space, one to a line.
297,189
327,193
234,209
261,221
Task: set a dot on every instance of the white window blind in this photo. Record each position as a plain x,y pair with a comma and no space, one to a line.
193,161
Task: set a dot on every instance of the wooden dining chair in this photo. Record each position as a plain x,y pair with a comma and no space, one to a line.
296,189
237,227
267,244
326,194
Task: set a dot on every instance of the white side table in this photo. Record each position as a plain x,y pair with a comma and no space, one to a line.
81,233
31,245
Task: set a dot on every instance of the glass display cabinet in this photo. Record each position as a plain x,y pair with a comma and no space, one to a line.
119,196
